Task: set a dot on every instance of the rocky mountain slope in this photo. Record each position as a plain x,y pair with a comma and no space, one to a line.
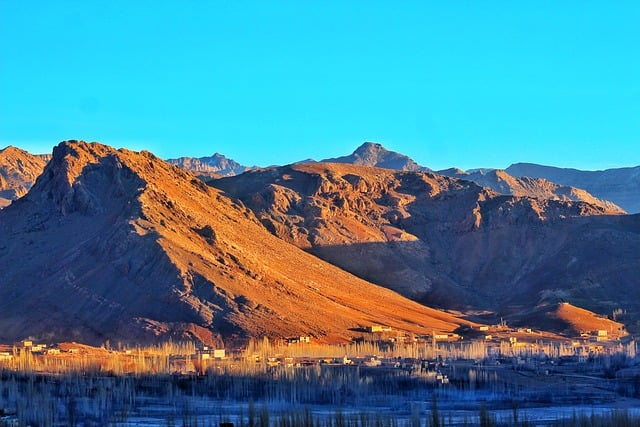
114,244
375,155
217,164
501,182
450,242
18,172
621,186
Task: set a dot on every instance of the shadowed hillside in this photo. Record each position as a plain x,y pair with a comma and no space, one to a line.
450,242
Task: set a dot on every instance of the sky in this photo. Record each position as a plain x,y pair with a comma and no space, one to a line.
449,83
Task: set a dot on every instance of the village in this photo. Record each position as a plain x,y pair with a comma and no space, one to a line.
497,366
380,346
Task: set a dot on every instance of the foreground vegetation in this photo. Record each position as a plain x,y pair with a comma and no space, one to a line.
314,387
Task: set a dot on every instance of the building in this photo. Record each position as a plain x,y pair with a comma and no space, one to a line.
26,344
378,328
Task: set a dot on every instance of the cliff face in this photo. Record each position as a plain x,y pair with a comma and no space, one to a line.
450,242
114,244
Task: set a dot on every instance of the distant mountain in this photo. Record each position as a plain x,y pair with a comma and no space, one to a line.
375,155
114,244
19,170
216,164
503,183
450,242
621,186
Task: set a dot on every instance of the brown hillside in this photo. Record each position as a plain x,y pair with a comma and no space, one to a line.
114,244
450,242
570,320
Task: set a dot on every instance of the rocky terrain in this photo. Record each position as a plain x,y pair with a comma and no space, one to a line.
119,245
375,155
621,186
146,251
615,189
217,164
18,172
522,185
539,188
450,242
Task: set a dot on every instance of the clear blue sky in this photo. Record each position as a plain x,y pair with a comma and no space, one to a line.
466,84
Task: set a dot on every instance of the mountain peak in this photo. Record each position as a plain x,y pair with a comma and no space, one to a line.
10,149
18,171
373,154
370,147
216,164
81,177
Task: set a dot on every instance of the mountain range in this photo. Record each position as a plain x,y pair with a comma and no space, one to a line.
449,242
524,186
621,185
113,244
120,245
619,189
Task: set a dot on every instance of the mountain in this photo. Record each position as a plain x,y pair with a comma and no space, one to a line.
18,171
503,183
621,186
216,164
375,155
119,245
448,242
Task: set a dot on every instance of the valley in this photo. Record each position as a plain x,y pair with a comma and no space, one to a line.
138,292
